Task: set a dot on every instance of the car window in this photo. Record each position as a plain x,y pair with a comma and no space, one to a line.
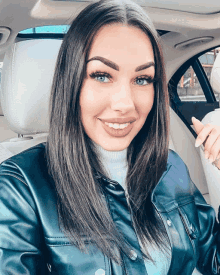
190,90
46,29
208,64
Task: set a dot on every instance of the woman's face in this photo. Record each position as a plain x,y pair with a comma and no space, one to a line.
117,93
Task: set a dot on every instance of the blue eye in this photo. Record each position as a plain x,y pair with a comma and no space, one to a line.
142,82
102,78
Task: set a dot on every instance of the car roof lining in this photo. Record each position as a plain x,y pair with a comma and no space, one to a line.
191,6
35,13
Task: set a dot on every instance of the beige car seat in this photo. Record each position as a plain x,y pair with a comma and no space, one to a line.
25,89
5,131
211,172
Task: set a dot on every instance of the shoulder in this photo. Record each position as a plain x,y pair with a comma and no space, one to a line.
26,164
176,163
32,152
27,157
26,174
175,183
175,159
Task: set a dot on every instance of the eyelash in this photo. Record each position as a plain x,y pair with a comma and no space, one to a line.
146,77
98,73
142,77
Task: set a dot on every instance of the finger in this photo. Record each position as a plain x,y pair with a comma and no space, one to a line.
215,149
197,125
203,135
212,138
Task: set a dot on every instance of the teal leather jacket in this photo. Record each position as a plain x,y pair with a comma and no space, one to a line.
32,243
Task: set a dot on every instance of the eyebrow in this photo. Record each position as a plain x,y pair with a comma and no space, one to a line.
145,66
116,67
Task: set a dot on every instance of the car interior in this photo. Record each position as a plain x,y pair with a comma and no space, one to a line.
187,30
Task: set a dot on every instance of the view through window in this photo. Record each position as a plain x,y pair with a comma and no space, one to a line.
189,88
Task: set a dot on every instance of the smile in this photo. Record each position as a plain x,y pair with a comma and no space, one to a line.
117,125
117,129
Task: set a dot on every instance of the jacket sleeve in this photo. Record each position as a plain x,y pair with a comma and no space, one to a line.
209,235
21,244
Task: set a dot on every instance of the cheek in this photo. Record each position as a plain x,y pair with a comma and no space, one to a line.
91,103
144,102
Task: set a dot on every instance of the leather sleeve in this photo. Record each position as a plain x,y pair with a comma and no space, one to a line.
209,236
199,219
20,233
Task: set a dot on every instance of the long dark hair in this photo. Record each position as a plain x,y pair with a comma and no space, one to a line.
72,161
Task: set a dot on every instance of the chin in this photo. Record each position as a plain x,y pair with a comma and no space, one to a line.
114,146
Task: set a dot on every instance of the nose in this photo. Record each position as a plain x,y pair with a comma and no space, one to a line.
122,99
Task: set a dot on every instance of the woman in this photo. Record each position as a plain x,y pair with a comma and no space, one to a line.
105,196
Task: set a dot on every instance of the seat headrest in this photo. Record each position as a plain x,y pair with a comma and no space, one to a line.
27,75
215,75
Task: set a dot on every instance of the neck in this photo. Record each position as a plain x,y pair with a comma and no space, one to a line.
114,163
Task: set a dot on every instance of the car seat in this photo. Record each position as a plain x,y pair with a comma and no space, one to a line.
211,172
26,82
5,132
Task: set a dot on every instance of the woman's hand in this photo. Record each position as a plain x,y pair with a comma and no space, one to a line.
209,136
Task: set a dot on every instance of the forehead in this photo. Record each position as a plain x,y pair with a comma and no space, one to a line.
122,44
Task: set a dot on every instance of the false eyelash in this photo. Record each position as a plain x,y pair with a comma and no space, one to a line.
103,73
99,73
150,79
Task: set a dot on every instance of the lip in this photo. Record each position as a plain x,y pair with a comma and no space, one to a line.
119,120
117,132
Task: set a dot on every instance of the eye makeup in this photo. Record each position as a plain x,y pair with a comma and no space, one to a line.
148,78
100,73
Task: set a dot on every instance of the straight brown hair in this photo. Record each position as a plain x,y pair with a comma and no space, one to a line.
71,158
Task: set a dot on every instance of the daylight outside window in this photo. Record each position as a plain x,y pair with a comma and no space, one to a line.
61,29
189,88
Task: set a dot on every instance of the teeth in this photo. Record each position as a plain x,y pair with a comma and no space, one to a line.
117,125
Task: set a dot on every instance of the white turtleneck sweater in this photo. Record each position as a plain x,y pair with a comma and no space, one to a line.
115,164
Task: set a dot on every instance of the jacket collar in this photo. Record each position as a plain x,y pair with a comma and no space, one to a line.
173,187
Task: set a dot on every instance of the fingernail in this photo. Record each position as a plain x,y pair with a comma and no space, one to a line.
193,118
197,144
206,154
